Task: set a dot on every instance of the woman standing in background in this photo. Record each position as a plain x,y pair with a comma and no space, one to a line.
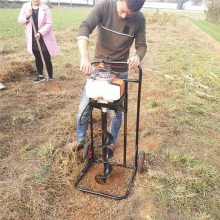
37,13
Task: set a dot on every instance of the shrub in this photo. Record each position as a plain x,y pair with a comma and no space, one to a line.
213,14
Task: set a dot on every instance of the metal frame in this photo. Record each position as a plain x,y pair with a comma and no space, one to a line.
119,105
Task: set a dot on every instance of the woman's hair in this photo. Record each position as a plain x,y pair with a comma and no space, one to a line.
135,5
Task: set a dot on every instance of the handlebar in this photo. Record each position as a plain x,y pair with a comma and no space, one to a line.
109,62
114,62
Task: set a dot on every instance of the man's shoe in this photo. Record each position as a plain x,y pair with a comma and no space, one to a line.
79,152
38,79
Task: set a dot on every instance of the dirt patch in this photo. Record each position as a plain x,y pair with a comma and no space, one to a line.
68,65
115,185
16,71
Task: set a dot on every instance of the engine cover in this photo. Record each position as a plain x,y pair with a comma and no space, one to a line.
104,90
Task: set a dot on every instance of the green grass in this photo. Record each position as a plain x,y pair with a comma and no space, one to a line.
190,14
8,23
190,189
185,170
212,29
69,18
64,18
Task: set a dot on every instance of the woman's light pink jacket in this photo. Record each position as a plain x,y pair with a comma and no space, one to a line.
44,27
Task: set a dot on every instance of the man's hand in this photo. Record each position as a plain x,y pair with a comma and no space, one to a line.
85,66
37,36
133,62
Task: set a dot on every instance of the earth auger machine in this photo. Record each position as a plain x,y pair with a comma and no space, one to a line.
111,95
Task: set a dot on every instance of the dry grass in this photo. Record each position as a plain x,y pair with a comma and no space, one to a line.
179,128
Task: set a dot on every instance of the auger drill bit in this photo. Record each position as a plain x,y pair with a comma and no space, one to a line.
108,139
107,153
101,179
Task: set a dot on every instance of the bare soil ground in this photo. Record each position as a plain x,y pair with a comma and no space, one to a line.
37,173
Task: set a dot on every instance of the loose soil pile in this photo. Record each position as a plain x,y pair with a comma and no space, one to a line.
17,71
